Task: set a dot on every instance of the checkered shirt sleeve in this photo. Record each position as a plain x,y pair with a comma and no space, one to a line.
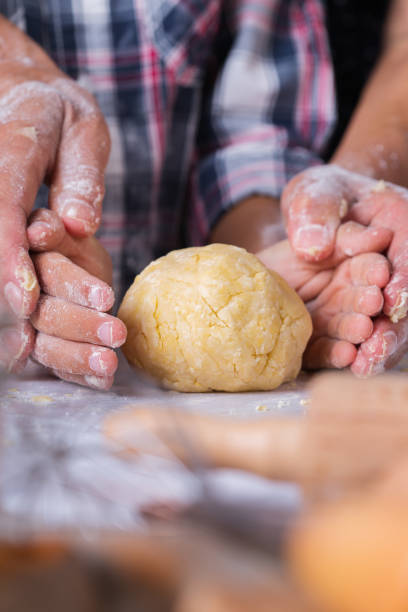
269,110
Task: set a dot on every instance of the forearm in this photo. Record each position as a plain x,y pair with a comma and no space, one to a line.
15,45
255,223
376,143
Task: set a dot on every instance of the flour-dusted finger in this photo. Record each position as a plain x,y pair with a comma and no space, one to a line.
77,183
387,344
99,383
74,357
46,232
354,239
328,353
344,308
62,278
57,317
386,205
313,204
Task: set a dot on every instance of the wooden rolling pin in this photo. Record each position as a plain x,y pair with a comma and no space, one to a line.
353,430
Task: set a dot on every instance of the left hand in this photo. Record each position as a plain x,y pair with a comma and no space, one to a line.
315,204
342,293
318,201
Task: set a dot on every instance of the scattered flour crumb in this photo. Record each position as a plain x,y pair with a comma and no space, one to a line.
30,132
305,401
313,251
291,385
379,186
261,408
343,208
41,399
30,397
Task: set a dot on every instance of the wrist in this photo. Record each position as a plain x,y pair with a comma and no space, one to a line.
254,224
396,27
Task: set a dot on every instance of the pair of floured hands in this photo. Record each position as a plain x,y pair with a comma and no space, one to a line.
339,223
52,131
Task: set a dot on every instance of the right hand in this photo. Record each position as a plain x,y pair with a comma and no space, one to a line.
51,131
72,333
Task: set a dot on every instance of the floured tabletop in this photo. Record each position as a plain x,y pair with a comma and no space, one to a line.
58,470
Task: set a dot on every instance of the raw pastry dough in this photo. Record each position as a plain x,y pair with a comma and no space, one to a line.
214,318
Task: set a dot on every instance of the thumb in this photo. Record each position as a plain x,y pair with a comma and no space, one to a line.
314,204
77,182
46,232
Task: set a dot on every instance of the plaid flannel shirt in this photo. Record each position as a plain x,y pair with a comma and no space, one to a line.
207,101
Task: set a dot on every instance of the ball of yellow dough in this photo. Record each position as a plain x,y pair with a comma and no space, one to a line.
214,318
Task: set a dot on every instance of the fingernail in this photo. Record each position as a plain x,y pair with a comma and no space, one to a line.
97,364
82,213
98,383
311,239
105,333
360,366
101,298
390,343
39,231
400,309
14,297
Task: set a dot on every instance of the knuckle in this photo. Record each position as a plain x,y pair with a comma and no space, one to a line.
28,100
78,100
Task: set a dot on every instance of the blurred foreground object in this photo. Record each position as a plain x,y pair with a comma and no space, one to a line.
352,432
348,548
345,547
175,568
351,556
